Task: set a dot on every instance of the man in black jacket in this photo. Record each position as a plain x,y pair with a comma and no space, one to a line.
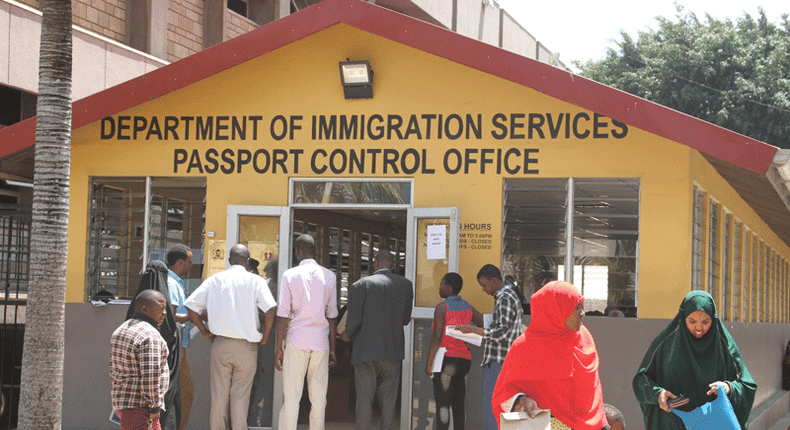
379,306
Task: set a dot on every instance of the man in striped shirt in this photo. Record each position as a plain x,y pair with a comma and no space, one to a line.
138,364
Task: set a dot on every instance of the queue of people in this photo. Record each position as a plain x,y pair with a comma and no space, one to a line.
552,364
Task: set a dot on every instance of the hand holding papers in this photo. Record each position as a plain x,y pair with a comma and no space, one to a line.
473,338
522,421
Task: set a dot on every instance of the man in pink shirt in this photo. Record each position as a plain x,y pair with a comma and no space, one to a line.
306,327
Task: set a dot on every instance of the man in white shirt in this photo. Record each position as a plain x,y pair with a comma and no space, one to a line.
232,299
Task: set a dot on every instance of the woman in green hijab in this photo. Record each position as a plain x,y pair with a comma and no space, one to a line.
686,358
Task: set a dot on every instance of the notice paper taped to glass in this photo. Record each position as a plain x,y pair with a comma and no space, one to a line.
473,338
522,421
437,242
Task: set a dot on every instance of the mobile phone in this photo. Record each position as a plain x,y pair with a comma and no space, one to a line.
678,401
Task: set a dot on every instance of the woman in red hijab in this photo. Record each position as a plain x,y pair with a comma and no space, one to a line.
554,364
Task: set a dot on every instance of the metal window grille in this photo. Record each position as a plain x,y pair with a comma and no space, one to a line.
755,280
134,219
15,221
737,272
115,239
696,237
714,263
762,281
726,287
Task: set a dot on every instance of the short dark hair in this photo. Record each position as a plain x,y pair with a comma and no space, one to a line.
613,415
306,243
489,271
147,298
455,281
385,255
177,252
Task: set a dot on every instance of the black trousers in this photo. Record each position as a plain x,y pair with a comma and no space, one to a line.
449,390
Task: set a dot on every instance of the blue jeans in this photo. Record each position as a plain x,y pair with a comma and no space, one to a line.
490,374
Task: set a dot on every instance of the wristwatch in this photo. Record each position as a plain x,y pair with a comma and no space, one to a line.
154,410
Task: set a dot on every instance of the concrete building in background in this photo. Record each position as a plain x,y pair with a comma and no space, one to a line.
117,40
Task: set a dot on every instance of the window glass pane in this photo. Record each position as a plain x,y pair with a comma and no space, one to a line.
714,263
725,277
430,269
698,229
352,192
115,236
605,242
533,233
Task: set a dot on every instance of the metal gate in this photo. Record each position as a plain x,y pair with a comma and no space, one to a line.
15,223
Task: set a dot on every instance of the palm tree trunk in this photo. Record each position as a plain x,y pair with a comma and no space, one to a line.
42,369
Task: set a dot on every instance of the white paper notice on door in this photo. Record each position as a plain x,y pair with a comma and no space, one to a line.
437,242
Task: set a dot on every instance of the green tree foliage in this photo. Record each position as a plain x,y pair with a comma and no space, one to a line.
735,74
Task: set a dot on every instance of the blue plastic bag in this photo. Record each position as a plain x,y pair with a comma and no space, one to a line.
715,415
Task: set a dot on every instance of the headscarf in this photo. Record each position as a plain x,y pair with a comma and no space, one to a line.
557,367
682,364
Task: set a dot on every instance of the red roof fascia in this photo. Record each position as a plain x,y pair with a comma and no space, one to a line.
695,133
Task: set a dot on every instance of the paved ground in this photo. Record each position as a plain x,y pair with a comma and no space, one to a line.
783,424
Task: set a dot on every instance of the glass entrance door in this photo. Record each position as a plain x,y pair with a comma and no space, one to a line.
265,231
431,252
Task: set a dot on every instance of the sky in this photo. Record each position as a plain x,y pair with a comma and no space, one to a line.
582,30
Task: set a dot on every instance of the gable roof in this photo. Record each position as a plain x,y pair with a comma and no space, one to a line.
736,154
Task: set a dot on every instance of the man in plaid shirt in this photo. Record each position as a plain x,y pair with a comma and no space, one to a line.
505,327
138,364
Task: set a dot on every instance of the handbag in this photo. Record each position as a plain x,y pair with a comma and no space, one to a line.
522,421
715,415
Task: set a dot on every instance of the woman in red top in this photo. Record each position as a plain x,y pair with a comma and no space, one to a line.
449,385
554,364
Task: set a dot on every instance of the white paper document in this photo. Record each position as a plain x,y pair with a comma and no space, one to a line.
438,359
473,338
522,421
487,319
437,242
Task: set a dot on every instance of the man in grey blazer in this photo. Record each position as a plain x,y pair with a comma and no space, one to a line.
379,306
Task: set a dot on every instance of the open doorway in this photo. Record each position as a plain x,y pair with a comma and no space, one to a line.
346,242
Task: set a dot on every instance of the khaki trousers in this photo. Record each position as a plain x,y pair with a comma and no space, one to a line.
233,365
298,363
187,390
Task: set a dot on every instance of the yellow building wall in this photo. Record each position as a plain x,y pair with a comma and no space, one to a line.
302,79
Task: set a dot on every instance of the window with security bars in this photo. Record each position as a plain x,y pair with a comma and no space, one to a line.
698,230
755,279
737,272
714,263
726,287
748,269
133,220
591,224
761,283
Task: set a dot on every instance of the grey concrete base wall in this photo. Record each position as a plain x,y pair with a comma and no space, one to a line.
86,381
621,345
